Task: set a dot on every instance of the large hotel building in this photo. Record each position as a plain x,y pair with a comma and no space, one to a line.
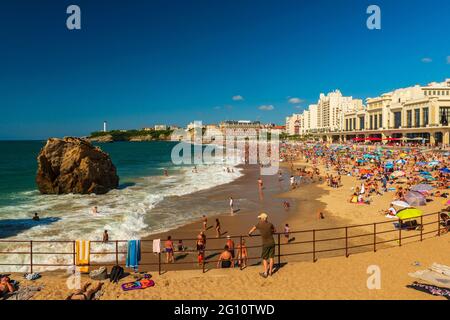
418,113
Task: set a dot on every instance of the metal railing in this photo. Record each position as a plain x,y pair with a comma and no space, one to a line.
315,242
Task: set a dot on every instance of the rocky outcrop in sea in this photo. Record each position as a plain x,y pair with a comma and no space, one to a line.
74,165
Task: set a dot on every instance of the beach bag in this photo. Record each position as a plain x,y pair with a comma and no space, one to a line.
99,274
116,274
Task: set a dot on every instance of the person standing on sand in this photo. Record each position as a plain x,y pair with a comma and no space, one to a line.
260,183
242,254
168,246
231,206
230,244
205,222
266,230
105,236
218,233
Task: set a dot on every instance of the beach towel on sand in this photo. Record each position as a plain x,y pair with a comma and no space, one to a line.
434,290
82,255
133,254
137,285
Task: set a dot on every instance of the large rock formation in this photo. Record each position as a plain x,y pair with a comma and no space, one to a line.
73,165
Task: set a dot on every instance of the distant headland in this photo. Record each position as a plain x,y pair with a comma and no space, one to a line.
130,135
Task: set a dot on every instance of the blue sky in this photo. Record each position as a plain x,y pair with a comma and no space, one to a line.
137,63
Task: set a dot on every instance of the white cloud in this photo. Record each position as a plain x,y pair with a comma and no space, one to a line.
295,100
266,107
238,98
427,60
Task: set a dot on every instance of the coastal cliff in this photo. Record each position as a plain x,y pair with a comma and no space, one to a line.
74,165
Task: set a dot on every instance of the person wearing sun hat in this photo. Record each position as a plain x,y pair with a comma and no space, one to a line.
266,230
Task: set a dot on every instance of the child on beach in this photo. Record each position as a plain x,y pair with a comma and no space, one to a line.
180,246
218,233
242,254
287,229
205,222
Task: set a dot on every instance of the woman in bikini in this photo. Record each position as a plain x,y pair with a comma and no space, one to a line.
168,246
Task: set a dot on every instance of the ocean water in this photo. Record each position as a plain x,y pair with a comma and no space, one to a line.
127,213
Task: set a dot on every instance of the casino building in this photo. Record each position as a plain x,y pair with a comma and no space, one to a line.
417,114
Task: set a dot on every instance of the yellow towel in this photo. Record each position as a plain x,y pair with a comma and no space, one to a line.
82,255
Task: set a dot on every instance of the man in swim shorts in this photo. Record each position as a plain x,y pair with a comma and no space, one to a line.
266,230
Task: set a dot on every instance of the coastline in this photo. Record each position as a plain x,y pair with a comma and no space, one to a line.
336,277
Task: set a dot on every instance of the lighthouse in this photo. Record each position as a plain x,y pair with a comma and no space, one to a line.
104,126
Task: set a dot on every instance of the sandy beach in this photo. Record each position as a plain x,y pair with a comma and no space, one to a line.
332,276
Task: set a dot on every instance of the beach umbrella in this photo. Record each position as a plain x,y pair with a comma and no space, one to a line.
422,187
409,213
401,161
433,163
415,199
402,204
403,155
421,163
445,170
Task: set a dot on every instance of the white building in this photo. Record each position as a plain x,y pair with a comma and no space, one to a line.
160,127
331,109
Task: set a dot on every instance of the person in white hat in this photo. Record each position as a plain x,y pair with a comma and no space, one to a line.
266,230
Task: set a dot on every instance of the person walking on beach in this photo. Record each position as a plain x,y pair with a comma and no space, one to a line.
218,233
231,206
168,246
201,246
205,222
266,230
105,236
260,183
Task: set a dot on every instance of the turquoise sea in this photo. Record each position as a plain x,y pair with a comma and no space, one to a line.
128,212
